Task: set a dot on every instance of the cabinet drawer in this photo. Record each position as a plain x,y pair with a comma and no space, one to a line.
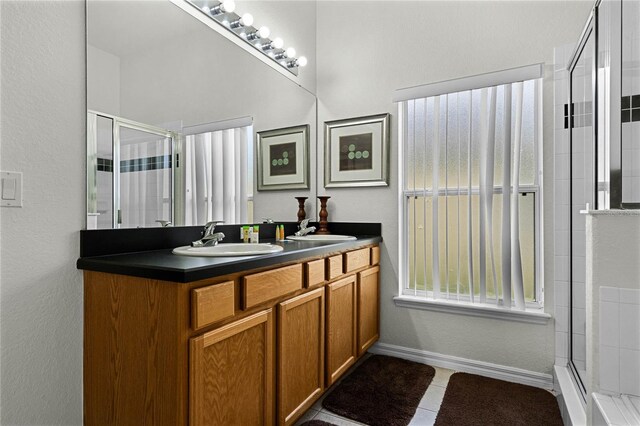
375,255
212,303
356,259
268,285
314,272
334,267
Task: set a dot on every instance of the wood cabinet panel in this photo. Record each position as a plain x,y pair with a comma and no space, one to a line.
375,255
314,272
300,366
368,308
356,259
334,267
265,286
135,361
212,303
231,374
341,328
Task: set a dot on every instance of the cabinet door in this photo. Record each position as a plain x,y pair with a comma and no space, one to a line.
231,373
300,354
341,327
368,308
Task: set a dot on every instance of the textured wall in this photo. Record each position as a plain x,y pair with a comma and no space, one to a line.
42,135
365,51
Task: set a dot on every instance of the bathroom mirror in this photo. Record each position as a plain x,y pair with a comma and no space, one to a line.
173,112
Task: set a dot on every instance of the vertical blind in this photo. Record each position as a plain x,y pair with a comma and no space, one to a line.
471,194
216,170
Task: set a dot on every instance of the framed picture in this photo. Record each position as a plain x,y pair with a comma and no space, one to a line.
283,158
357,152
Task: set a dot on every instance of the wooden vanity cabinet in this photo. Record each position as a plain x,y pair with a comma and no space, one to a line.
255,347
368,296
300,354
341,314
231,373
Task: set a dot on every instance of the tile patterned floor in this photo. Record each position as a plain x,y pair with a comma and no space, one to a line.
425,414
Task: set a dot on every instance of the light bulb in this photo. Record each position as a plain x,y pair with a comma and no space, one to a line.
206,9
264,32
247,20
302,61
277,43
271,54
228,6
291,52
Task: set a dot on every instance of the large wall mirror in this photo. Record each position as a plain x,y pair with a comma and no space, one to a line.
173,113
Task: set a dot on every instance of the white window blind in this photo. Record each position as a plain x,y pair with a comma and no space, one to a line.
217,175
471,194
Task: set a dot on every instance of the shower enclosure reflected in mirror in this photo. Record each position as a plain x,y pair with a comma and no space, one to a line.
173,112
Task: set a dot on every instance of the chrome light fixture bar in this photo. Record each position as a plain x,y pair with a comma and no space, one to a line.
223,13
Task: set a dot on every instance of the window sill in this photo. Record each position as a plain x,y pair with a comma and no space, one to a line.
531,316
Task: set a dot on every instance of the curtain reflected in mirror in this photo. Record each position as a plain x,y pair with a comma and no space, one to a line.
217,176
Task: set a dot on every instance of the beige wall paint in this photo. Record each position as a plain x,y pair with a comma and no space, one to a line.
365,51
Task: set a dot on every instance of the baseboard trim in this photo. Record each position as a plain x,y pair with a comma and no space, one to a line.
502,372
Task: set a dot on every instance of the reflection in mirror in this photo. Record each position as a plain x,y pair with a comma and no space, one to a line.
174,108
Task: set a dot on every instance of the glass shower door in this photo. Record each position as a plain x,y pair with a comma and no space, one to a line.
144,178
582,197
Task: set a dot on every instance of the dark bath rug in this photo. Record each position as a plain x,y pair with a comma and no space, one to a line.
382,391
475,400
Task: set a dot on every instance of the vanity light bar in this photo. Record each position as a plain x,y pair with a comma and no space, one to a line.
222,12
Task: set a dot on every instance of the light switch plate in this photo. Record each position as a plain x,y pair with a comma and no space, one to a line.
10,189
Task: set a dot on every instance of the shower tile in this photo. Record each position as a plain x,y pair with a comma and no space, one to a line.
609,324
629,372
562,268
562,344
561,293
630,296
609,294
561,190
562,318
609,369
561,166
579,324
561,242
629,326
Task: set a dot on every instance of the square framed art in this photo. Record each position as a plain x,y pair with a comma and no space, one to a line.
283,158
357,152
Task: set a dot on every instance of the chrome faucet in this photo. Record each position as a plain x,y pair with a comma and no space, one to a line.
209,237
304,230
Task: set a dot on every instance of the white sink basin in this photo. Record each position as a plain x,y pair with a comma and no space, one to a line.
321,238
228,249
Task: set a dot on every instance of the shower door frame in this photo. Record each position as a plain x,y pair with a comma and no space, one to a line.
590,30
116,124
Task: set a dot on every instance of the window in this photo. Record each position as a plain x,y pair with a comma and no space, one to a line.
218,179
470,170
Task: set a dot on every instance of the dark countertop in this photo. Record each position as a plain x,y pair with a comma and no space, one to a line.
164,265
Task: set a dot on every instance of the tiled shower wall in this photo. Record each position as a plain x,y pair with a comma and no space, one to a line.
619,344
561,205
631,102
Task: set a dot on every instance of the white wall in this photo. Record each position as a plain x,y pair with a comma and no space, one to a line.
103,81
42,135
365,51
